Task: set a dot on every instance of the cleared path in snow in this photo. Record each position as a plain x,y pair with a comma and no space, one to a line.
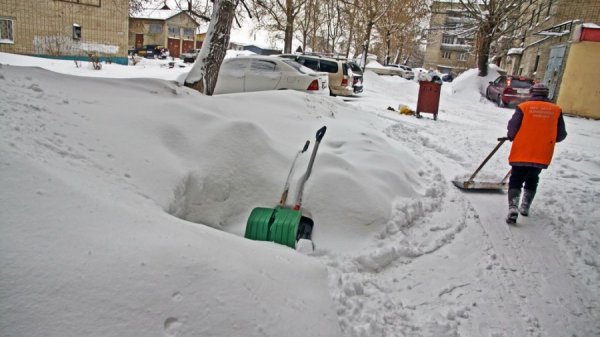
526,280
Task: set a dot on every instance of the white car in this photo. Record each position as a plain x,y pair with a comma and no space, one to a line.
258,73
379,69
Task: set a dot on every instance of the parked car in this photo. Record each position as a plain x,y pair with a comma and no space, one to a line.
340,73
447,77
509,90
391,70
258,73
190,55
407,71
357,77
150,51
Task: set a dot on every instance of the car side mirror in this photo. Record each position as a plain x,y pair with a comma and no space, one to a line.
491,82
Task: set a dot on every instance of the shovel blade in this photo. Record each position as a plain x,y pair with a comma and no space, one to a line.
285,226
480,186
257,227
278,224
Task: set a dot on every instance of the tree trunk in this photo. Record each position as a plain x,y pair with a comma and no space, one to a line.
367,41
204,73
289,27
484,51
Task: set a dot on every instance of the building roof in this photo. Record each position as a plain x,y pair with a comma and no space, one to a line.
156,14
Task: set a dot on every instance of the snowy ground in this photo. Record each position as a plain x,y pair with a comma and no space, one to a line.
124,203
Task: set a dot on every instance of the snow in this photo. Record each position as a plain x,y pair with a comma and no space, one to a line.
591,25
124,203
156,14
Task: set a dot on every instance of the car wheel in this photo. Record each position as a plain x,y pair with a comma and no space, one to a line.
487,94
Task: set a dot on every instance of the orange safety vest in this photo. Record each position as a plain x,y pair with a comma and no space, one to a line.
535,140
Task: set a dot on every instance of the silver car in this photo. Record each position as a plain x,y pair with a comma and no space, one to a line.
258,73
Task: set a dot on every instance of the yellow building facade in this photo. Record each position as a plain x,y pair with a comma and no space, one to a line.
67,29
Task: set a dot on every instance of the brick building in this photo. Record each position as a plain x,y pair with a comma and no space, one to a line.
67,29
175,29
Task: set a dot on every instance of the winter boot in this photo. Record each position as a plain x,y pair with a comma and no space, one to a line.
526,202
514,194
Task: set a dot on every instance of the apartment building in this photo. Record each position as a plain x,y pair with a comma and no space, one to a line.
449,48
66,29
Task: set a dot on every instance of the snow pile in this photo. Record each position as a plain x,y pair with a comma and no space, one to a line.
124,202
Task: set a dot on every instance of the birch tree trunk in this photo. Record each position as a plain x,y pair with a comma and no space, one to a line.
204,73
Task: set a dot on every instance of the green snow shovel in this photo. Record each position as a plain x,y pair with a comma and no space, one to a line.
471,184
282,224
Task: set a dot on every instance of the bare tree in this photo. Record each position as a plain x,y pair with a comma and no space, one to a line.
279,16
493,20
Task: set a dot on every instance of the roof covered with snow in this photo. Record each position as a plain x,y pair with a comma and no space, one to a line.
156,14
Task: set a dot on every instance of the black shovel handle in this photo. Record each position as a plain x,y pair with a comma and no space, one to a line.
305,146
321,133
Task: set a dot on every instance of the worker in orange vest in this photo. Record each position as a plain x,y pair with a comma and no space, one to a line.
534,128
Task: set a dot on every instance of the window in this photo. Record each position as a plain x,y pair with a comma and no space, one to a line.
537,62
446,55
329,66
6,31
448,39
262,66
96,3
173,31
155,28
463,56
76,32
188,33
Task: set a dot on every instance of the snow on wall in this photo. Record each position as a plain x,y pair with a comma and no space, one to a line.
66,45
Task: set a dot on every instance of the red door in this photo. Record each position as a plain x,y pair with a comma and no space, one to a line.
139,41
173,45
187,45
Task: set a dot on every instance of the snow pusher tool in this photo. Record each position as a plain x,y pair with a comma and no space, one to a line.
282,224
471,184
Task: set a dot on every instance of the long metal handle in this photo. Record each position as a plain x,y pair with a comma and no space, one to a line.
319,136
501,141
286,187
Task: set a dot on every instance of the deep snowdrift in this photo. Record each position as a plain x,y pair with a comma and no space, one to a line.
124,201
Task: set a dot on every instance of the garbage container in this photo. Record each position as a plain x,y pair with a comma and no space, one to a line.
429,98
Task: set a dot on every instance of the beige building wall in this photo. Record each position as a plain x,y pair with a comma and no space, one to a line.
45,27
580,79
180,24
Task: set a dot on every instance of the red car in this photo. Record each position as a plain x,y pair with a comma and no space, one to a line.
509,90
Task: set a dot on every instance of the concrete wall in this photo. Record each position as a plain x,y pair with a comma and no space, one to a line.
45,28
579,92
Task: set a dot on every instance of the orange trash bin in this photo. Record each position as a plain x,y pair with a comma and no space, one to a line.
429,98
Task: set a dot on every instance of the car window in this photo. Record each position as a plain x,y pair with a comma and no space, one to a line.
293,57
300,68
346,69
234,66
262,66
522,84
309,63
500,81
355,67
329,66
